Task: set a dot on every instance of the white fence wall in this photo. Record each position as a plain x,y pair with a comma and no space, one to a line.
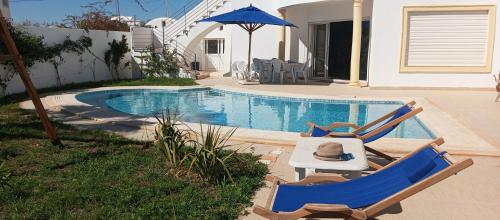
75,68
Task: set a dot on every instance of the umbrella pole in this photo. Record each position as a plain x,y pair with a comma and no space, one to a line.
249,72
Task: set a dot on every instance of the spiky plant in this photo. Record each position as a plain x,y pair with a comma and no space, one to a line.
170,139
210,155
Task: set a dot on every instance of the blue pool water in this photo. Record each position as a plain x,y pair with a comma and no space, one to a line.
212,106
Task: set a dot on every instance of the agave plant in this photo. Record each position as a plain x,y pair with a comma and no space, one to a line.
210,155
170,139
4,175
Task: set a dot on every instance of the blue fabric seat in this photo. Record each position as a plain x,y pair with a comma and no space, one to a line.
364,191
318,132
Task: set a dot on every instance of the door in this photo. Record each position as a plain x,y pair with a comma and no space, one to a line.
214,54
319,50
340,46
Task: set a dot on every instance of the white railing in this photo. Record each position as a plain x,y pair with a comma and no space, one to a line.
189,19
186,19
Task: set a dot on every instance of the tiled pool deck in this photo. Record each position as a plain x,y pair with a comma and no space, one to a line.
468,120
460,139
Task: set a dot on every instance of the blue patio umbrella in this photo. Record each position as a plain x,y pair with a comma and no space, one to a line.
250,19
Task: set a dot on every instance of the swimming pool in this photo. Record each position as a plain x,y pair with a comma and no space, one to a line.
220,107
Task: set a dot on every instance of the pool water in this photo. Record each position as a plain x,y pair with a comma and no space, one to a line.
212,106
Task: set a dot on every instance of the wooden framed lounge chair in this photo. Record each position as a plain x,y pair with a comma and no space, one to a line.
325,195
369,132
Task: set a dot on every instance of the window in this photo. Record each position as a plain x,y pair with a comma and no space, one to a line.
447,39
214,46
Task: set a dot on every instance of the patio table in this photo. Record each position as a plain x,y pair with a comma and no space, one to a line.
305,163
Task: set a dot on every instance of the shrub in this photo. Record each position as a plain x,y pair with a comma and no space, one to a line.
96,18
162,64
210,155
207,154
171,141
116,53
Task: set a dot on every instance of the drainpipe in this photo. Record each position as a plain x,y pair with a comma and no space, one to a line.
357,20
282,40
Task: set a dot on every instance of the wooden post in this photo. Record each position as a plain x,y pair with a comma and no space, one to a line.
15,57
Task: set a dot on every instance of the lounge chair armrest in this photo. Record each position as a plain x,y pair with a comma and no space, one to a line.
272,179
319,178
310,209
344,124
342,134
339,208
327,207
262,211
311,125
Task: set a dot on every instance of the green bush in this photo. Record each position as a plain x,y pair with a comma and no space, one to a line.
206,156
162,65
170,139
210,155
115,54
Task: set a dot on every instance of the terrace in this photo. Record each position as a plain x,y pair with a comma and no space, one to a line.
449,196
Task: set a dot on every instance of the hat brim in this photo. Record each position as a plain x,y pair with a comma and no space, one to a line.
315,155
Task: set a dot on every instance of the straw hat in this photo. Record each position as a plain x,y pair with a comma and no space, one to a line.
330,151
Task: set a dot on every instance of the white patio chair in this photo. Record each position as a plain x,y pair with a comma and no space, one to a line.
234,69
302,70
277,68
267,68
258,68
242,69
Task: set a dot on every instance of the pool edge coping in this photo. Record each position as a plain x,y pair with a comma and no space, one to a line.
64,100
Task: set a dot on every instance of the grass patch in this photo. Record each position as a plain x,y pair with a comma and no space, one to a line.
101,175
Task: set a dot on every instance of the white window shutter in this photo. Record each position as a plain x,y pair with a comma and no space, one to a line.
447,38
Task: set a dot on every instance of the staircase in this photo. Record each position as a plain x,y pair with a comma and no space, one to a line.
179,31
186,20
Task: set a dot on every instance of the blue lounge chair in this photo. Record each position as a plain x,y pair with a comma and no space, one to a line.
324,195
369,132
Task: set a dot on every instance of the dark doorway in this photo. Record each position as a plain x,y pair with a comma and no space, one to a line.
339,55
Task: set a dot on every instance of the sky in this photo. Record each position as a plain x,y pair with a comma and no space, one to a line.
56,10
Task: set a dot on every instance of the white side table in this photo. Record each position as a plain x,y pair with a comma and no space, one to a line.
303,161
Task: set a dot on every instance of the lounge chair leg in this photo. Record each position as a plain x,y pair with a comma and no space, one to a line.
380,154
374,165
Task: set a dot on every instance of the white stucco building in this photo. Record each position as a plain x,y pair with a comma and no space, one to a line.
385,43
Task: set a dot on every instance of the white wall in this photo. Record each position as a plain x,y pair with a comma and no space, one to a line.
157,22
297,39
76,68
265,41
386,49
224,59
